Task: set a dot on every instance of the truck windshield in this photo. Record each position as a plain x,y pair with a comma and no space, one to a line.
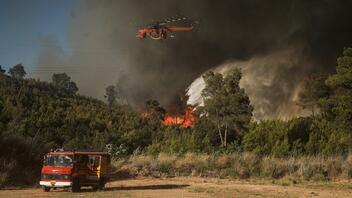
58,160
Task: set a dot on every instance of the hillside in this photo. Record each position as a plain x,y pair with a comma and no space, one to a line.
36,116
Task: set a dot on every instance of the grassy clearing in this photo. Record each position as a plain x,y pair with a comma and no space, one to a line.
289,171
202,190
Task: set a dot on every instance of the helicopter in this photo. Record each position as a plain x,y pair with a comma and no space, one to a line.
160,30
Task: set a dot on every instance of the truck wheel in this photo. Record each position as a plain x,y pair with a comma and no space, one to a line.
46,189
101,184
75,186
95,188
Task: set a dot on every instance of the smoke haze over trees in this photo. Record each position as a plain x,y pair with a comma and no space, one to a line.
103,46
37,115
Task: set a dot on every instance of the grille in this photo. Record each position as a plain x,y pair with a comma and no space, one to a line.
55,176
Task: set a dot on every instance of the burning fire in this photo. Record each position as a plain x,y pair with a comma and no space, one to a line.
185,121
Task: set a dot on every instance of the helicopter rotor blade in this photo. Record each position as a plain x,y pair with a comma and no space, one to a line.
172,20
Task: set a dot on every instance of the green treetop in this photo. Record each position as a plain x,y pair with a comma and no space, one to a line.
226,104
17,71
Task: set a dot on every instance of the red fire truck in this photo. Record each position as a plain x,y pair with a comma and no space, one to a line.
73,169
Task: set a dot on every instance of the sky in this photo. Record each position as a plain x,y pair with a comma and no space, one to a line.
23,23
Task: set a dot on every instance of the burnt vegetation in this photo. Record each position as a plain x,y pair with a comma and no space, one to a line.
36,116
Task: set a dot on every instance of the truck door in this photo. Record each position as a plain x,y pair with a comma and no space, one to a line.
94,166
104,166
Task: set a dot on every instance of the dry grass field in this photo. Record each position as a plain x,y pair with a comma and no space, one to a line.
195,187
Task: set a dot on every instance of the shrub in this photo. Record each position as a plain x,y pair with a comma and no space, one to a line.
347,167
268,137
6,168
141,161
334,166
312,168
223,161
116,152
166,162
274,168
249,165
185,164
242,166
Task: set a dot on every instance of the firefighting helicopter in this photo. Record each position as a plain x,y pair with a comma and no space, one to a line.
160,30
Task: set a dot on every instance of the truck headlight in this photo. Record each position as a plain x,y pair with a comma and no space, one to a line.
67,177
45,176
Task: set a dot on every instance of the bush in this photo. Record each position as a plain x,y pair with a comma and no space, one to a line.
175,141
116,152
166,163
278,138
242,166
274,168
267,137
312,168
186,163
20,161
347,167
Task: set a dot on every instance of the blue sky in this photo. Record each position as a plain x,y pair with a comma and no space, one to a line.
23,23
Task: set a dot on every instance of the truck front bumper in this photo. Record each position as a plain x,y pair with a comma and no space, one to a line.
56,184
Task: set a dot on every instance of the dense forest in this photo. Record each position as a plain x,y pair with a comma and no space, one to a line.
36,116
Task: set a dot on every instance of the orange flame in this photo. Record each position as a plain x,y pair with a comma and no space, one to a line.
185,121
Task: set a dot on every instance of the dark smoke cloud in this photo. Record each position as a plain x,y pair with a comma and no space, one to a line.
104,49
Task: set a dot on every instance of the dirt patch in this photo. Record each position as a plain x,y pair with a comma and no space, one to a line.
194,187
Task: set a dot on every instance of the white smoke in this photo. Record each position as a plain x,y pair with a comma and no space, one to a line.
272,82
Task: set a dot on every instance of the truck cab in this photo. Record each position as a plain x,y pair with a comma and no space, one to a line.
73,169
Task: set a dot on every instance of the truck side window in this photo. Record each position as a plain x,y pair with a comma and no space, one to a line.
94,161
97,161
91,161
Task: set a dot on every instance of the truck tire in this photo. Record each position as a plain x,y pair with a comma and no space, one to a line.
46,189
101,184
75,186
95,188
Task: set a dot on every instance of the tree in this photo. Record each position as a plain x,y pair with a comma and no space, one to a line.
339,104
332,133
314,89
110,95
268,137
152,120
2,124
17,71
63,81
226,104
153,108
115,93
2,71
72,88
277,137
120,91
